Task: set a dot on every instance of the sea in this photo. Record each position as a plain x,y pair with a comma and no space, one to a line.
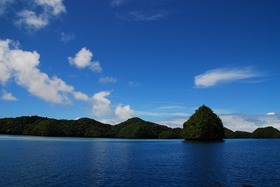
48,161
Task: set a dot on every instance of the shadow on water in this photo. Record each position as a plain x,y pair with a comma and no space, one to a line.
203,141
208,163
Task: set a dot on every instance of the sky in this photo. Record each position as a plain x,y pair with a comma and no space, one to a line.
159,60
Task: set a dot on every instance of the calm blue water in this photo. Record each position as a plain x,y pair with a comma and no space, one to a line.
36,161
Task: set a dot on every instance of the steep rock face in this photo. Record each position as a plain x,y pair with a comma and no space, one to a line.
203,125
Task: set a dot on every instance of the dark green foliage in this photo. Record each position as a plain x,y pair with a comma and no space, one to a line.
266,132
132,128
85,127
138,128
228,133
171,134
242,134
237,134
203,125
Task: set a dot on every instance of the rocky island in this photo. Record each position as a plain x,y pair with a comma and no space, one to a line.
203,125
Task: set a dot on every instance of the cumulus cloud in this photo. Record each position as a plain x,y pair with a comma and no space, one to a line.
101,105
34,20
102,109
31,20
83,59
216,76
81,96
22,67
124,112
8,96
105,80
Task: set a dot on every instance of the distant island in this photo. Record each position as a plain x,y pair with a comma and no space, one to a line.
86,127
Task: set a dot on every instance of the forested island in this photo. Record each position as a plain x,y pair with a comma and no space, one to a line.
86,127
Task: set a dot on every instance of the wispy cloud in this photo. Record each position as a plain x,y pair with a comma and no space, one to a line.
3,6
142,15
105,80
133,84
66,37
117,2
217,76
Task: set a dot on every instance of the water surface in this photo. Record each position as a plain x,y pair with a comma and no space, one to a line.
41,161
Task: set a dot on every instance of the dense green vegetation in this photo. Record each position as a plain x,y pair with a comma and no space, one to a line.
262,132
203,125
132,128
85,127
266,132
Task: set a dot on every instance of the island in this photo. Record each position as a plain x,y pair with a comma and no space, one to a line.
86,127
203,125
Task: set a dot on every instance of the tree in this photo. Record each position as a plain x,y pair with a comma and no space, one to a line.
204,124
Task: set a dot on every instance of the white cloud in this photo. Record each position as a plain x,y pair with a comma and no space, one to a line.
216,76
80,96
249,123
101,105
33,20
8,96
173,123
124,112
4,72
55,7
96,67
102,109
105,80
270,113
22,67
83,59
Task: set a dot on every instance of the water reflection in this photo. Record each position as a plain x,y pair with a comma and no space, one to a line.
205,161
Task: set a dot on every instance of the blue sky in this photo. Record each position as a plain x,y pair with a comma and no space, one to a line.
158,60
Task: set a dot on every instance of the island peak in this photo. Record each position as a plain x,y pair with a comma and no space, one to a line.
203,125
